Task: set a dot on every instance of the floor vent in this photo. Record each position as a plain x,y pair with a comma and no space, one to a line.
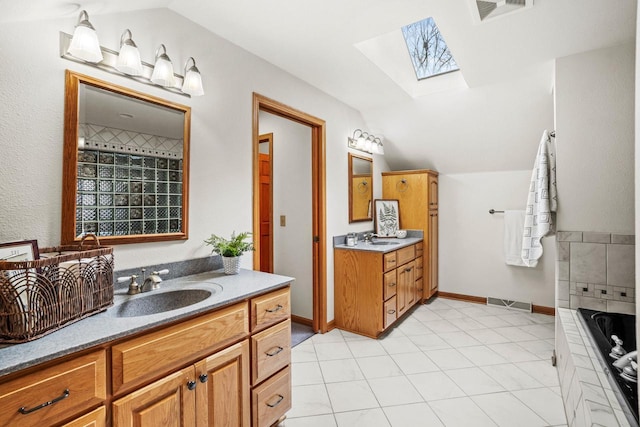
511,305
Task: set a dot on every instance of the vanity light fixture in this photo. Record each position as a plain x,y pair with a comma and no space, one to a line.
366,142
192,79
129,57
84,43
163,69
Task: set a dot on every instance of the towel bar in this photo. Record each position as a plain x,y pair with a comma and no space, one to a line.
492,211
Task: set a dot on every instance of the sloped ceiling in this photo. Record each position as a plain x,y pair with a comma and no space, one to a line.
493,123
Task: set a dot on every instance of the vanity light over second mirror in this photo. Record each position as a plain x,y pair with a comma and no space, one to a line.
126,164
360,188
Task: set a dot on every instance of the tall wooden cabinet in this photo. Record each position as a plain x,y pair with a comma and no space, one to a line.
417,195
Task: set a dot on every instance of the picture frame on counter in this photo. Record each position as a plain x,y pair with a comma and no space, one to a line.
387,217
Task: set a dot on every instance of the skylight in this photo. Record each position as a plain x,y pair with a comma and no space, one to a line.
429,53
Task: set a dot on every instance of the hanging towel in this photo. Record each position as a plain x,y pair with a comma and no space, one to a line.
513,226
542,202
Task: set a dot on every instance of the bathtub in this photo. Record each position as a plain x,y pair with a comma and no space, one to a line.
601,326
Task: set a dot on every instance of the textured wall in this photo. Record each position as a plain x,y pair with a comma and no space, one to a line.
31,135
595,137
471,240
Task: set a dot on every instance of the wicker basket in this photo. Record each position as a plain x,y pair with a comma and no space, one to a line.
66,284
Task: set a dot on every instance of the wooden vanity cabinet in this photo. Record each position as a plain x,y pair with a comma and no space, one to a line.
202,371
417,195
53,394
270,357
373,289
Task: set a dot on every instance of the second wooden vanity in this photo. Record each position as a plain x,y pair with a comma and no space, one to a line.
374,286
228,366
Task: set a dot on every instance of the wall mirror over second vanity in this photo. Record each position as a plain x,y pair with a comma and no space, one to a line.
126,164
360,188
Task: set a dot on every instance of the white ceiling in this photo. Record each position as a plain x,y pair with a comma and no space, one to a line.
339,46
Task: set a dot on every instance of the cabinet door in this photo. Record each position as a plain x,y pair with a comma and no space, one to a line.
406,287
433,192
95,418
222,395
433,252
170,401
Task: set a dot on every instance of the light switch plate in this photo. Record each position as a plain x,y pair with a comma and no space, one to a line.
283,220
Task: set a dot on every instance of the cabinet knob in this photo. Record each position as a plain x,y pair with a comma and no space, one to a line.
203,378
191,385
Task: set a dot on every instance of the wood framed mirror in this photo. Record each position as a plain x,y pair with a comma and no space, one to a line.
126,164
360,188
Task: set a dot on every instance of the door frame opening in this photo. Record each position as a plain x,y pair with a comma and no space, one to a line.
318,184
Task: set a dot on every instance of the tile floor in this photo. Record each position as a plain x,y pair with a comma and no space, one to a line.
449,363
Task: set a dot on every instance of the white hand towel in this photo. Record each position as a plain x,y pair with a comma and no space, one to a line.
542,202
513,226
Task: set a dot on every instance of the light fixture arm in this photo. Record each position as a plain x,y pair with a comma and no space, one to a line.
84,22
126,39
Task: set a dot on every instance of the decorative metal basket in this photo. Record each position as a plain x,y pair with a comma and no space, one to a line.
66,284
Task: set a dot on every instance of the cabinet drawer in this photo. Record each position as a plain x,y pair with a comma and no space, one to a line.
390,312
272,399
270,351
406,254
97,418
390,261
151,355
390,284
419,270
269,309
419,249
60,391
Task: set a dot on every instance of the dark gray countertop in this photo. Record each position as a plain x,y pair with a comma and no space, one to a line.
106,326
393,244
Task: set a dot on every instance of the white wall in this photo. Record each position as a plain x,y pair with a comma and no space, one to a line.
31,135
595,136
293,243
471,240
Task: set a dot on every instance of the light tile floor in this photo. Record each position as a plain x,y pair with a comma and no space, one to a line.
449,363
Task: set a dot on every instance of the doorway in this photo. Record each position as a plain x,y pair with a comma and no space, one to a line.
317,238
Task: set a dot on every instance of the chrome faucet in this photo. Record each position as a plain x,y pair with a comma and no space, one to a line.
153,281
368,237
150,283
617,352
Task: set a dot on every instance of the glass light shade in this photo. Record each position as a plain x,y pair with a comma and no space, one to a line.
129,57
163,69
367,145
84,43
192,83
360,142
380,149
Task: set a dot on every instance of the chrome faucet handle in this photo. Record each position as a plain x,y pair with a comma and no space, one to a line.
161,272
617,352
616,340
134,288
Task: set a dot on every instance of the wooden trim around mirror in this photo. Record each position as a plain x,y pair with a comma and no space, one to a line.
70,161
351,189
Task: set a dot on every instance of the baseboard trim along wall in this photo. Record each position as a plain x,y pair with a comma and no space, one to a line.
301,320
540,309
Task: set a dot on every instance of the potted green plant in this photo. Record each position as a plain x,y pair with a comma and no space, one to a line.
230,249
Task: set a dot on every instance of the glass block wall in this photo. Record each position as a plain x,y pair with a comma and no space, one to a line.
123,194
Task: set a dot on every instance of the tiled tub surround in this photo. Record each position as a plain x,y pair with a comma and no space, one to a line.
596,271
588,397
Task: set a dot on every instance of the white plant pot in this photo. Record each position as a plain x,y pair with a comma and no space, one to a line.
231,264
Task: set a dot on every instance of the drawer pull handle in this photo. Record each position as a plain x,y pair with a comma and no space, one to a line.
279,349
391,311
392,284
64,395
191,385
273,405
203,378
273,310
392,261
408,269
